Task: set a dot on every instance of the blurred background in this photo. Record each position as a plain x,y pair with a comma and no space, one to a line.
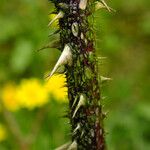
32,110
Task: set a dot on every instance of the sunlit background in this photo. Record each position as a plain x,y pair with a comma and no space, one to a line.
32,110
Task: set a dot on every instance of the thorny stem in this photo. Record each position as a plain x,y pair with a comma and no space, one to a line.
81,69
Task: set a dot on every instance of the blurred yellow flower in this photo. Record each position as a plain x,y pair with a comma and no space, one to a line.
9,97
31,93
3,133
55,86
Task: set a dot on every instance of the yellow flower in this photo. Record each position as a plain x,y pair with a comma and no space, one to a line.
55,86
31,93
9,97
3,133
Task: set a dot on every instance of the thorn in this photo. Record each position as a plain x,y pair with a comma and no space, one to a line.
54,44
52,12
44,47
59,71
74,101
86,41
92,132
101,58
77,128
103,97
105,4
82,36
106,133
82,133
83,4
102,4
80,103
63,5
104,79
58,16
65,58
75,29
104,114
99,5
63,147
73,146
102,105
51,34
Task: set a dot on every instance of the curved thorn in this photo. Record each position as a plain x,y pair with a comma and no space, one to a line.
80,103
58,16
65,58
73,146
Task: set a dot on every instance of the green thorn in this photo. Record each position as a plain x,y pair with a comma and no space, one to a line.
80,103
105,79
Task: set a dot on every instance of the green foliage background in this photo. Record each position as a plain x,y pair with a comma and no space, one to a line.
122,36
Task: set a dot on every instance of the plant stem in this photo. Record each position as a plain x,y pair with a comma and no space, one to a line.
85,109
